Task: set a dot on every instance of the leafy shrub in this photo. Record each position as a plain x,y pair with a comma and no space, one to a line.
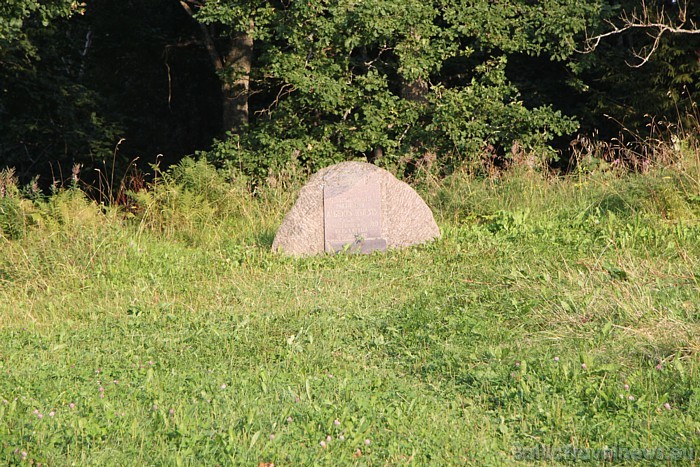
183,201
337,81
12,219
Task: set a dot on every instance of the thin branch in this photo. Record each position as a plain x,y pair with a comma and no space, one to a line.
655,28
284,91
208,40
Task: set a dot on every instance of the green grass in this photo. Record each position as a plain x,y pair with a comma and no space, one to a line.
554,314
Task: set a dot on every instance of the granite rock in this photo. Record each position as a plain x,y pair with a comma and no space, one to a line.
356,206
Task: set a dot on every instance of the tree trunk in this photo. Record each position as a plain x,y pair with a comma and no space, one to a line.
236,86
235,65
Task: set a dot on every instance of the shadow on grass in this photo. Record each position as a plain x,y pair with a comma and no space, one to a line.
615,204
264,238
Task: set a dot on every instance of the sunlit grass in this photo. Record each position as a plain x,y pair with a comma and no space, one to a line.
555,312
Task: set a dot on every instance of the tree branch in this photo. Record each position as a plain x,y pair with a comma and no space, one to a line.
208,40
656,25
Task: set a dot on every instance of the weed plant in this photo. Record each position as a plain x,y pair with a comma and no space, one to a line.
556,320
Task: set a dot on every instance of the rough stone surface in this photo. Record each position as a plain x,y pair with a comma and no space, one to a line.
405,219
352,215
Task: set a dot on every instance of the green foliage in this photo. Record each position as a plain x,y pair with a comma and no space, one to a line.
66,212
489,111
342,79
550,27
16,15
187,201
173,208
12,219
450,82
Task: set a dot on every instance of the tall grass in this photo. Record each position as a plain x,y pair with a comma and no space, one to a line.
555,316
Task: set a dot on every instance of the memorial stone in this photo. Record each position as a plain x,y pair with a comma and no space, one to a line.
356,207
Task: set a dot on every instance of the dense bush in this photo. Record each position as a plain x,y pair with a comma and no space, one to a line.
436,84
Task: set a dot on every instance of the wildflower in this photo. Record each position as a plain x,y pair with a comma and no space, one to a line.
171,411
583,365
367,442
155,407
322,444
289,419
341,437
328,438
52,413
659,367
36,411
630,397
556,359
40,415
223,386
336,422
517,364
71,405
667,406
24,455
272,436
626,386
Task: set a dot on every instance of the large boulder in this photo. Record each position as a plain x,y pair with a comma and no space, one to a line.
354,206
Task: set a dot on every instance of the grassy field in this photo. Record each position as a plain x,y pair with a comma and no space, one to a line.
557,319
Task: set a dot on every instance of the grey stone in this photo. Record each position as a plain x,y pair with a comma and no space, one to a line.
354,206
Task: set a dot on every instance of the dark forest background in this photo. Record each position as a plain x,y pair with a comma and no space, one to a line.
110,87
